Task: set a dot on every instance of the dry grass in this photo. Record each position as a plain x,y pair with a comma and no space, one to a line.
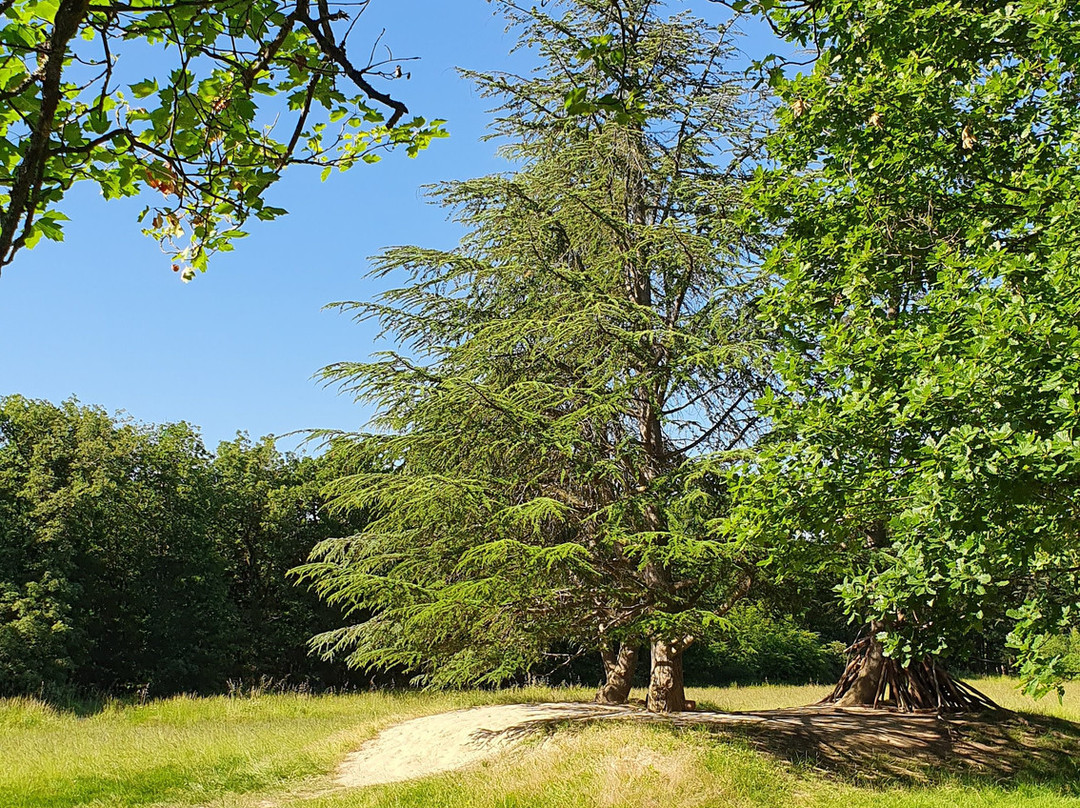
642,765
748,698
1003,690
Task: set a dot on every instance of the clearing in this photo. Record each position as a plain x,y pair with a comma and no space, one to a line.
1001,743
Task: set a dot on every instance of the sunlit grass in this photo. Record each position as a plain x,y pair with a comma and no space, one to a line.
276,750
1004,691
638,766
747,698
184,751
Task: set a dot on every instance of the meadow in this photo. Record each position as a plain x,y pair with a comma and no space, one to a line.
270,750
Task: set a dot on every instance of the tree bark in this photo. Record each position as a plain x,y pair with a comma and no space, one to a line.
872,679
666,692
865,688
618,674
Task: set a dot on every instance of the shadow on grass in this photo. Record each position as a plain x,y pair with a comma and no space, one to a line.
79,706
999,748
879,746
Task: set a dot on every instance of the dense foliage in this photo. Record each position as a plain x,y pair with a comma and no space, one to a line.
132,558
221,97
684,354
134,561
759,645
924,200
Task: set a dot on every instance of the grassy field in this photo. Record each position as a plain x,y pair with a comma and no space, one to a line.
276,750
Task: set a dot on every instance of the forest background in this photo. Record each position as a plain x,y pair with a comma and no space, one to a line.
135,562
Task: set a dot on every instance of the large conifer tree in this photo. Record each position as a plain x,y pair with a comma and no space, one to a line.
572,377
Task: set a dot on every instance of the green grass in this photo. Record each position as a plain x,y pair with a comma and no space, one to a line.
275,750
190,751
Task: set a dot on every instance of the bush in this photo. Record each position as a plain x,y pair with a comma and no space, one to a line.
760,646
1067,647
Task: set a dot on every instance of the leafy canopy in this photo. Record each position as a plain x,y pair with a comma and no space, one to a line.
239,91
924,194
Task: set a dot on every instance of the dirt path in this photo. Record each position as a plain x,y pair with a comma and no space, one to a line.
449,741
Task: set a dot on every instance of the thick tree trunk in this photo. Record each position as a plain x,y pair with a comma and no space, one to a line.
666,693
871,679
868,667
618,674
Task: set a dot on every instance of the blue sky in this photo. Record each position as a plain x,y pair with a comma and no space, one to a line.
103,318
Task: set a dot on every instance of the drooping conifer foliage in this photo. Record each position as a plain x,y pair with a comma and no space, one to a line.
564,387
925,197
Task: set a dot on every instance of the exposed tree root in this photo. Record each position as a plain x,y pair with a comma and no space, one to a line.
871,679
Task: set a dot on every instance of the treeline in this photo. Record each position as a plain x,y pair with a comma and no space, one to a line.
132,559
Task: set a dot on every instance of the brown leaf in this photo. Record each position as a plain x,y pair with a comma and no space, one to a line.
967,138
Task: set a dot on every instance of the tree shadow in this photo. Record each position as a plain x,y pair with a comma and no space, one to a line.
878,746
872,746
551,717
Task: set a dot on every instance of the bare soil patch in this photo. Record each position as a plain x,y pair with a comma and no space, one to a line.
449,741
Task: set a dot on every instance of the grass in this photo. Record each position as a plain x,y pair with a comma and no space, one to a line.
190,751
1003,690
747,698
275,750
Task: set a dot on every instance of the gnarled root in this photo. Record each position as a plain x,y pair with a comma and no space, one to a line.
871,679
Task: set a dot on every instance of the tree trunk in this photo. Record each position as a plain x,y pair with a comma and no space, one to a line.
666,693
618,674
871,679
868,668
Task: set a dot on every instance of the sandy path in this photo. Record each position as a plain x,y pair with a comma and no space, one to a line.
449,741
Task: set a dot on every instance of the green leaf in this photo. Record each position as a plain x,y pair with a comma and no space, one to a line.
144,88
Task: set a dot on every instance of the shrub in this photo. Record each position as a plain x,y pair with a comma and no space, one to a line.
760,646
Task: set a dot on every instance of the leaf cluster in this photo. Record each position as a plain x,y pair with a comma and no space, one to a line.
241,91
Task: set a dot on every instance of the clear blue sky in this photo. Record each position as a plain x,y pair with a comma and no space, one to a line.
101,316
